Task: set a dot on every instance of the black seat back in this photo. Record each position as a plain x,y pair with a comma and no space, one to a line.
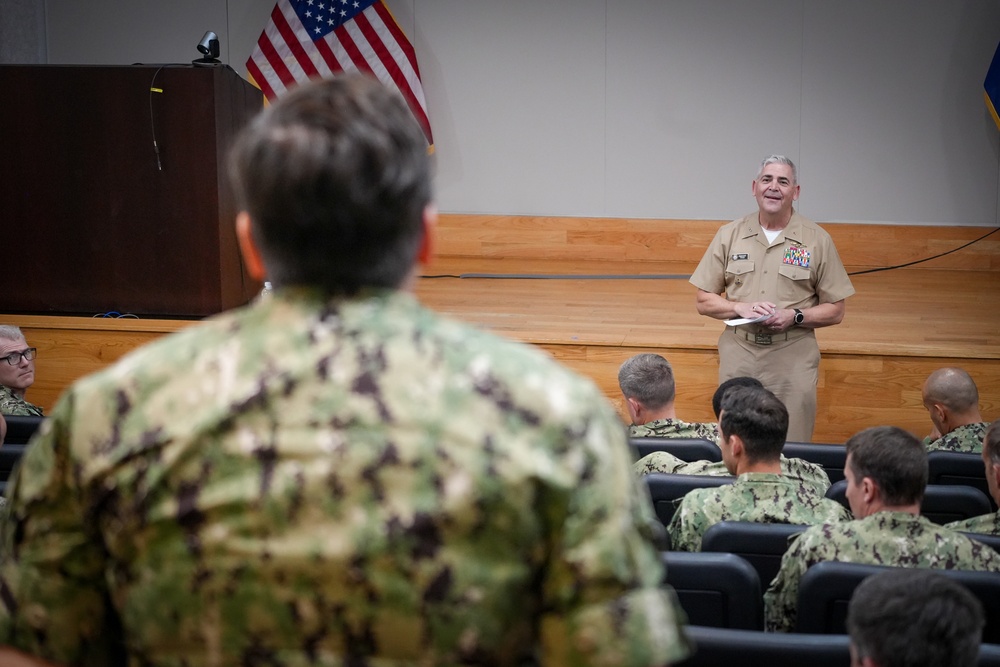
666,489
686,449
944,467
20,428
750,648
716,589
826,589
761,544
831,457
942,503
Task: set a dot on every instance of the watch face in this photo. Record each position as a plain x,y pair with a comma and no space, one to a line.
799,317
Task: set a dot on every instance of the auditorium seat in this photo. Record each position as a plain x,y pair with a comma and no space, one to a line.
942,503
686,449
761,544
944,467
666,490
831,457
826,589
20,428
751,648
716,589
10,456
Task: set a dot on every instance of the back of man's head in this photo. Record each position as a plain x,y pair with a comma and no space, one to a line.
739,381
914,618
953,388
894,459
335,177
759,418
649,379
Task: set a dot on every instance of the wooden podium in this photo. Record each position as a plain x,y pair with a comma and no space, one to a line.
96,221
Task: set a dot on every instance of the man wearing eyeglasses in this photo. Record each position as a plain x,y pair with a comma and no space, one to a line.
17,373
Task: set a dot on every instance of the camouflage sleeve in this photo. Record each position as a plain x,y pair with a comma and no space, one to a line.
604,598
689,523
666,462
11,405
657,462
806,472
782,597
52,568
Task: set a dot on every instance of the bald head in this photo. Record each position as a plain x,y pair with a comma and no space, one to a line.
951,399
952,388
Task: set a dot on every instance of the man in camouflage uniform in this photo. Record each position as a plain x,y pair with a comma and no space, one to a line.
988,524
334,475
952,400
17,373
800,469
754,424
648,387
886,475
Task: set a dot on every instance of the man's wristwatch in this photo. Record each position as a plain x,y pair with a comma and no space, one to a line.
799,317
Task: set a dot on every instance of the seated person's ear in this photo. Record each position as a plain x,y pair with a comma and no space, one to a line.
426,250
248,247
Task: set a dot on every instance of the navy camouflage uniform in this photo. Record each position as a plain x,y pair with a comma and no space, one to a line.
321,482
12,405
675,428
804,472
967,438
759,497
892,538
987,524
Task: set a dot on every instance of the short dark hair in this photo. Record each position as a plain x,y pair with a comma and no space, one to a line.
908,617
335,176
894,459
739,381
649,379
759,418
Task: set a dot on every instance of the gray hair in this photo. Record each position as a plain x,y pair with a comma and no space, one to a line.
649,379
10,332
778,159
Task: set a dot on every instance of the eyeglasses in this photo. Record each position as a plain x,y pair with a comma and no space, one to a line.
14,358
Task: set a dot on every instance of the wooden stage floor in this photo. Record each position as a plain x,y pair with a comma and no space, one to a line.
900,325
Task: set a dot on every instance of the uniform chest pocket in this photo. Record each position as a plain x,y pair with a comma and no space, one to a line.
738,278
795,284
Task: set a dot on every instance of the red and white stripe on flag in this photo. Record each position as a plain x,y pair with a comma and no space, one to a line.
305,39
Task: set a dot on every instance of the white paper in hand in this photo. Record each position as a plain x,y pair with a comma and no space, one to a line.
735,322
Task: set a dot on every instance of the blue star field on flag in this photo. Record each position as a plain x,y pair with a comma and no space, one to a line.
321,17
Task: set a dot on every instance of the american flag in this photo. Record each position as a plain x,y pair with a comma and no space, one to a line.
305,39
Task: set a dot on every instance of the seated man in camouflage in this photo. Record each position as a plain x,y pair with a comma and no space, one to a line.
754,424
805,471
334,475
648,387
886,475
988,524
17,373
952,400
